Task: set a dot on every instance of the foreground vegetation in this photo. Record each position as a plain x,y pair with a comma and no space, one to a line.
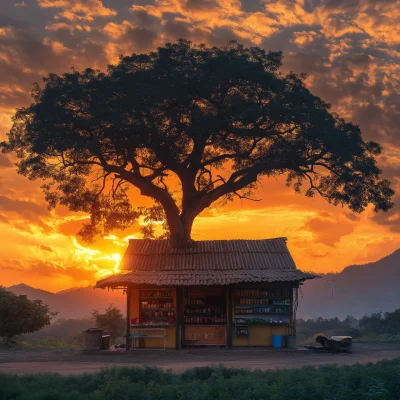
358,382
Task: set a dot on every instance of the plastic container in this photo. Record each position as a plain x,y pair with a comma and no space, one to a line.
291,342
105,342
277,341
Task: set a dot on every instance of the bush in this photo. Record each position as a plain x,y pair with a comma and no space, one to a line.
358,382
111,321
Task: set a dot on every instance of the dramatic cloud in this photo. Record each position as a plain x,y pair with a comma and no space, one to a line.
349,49
78,10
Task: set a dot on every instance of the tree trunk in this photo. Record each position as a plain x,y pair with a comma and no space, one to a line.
187,228
180,225
179,239
180,228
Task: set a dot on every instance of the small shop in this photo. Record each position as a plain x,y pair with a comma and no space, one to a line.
230,293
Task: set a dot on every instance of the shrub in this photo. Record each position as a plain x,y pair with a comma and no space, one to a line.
358,382
111,321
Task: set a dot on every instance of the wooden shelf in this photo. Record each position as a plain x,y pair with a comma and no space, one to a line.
203,315
251,314
269,323
259,305
152,325
262,297
203,305
205,324
259,323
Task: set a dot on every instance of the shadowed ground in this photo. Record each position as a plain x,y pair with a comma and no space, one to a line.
67,362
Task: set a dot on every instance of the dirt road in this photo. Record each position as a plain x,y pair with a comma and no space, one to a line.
76,362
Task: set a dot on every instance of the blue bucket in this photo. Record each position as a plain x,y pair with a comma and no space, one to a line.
277,341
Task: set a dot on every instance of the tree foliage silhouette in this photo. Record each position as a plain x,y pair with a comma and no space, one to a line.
188,125
112,321
20,315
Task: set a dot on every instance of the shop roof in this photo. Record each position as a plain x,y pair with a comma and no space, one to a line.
208,262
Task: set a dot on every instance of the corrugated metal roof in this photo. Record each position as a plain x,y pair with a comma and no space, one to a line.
163,278
211,262
150,246
158,255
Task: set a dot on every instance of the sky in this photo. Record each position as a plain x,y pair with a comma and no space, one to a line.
350,50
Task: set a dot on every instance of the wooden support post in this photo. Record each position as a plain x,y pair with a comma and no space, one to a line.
128,317
293,308
229,316
178,317
294,301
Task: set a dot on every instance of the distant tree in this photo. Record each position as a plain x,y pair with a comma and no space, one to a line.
111,321
373,323
378,323
392,322
20,315
188,125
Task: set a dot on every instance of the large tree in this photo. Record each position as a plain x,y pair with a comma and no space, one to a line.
188,125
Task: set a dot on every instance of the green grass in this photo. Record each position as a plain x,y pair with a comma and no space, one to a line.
379,381
43,343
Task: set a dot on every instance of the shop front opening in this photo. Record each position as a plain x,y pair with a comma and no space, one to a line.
204,316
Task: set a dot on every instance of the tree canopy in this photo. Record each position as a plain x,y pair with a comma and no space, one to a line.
188,125
111,321
20,315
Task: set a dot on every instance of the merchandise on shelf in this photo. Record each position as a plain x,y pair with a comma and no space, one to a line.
156,307
204,320
156,293
278,292
273,305
204,308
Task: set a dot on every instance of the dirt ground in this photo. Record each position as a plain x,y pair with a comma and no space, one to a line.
66,362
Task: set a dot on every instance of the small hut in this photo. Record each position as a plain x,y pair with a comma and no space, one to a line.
216,292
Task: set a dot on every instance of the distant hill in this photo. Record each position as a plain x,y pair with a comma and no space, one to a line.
357,290
32,293
75,302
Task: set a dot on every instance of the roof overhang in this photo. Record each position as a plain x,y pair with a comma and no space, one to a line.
211,278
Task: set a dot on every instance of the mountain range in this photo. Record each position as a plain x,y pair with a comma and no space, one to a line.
357,290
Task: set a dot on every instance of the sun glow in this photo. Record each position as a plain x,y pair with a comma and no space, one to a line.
92,258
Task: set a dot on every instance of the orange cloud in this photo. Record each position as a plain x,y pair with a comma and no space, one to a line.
85,10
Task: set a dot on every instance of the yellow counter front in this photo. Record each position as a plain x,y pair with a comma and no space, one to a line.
260,335
145,340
